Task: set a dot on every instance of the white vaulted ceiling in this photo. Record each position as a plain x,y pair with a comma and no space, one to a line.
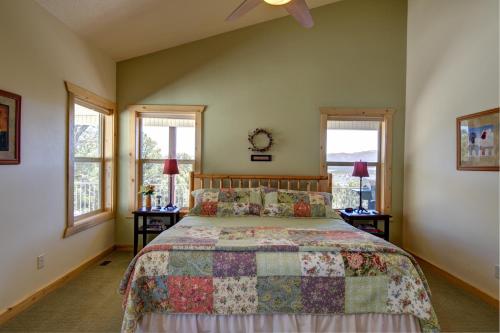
130,28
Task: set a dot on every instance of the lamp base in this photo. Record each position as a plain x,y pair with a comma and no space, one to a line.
361,210
170,206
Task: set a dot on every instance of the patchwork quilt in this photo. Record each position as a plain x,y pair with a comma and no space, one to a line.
258,265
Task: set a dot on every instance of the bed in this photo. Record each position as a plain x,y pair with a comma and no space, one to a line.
231,266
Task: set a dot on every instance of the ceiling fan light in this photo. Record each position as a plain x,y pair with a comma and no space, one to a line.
277,2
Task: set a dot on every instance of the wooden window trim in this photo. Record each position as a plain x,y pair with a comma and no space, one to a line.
384,171
108,155
135,112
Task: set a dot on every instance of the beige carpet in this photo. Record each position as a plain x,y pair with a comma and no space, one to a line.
91,303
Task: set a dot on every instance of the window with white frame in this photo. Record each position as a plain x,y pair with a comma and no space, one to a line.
162,136
88,160
348,141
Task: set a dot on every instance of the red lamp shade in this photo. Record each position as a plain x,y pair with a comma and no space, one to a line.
170,167
360,169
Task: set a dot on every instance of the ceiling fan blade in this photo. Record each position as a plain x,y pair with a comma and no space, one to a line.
299,10
245,7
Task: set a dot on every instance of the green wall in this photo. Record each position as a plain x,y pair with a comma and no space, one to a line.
276,75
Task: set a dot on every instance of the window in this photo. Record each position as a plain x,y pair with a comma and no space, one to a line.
160,132
88,160
161,138
349,141
349,135
90,166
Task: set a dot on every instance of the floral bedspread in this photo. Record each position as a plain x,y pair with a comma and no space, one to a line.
275,267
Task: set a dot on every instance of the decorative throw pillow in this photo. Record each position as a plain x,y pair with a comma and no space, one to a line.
288,203
227,202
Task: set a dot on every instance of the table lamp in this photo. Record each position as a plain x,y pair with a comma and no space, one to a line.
360,170
170,168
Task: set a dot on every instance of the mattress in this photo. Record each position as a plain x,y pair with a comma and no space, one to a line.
262,273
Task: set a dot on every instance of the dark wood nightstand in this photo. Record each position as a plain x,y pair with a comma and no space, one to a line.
371,215
147,228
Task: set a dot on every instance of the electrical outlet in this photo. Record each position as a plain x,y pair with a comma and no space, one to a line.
40,261
497,272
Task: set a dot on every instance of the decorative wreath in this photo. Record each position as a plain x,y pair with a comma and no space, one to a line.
255,133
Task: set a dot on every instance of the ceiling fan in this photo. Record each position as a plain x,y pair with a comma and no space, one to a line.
297,8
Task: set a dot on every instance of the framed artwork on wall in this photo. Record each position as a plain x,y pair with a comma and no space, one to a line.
478,141
10,128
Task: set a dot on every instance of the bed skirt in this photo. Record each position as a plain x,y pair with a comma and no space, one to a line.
192,323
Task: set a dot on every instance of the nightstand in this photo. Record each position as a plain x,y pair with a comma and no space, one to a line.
147,228
373,216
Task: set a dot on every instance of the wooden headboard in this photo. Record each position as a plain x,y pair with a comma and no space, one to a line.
305,183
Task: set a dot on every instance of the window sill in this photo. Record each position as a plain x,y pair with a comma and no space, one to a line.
88,223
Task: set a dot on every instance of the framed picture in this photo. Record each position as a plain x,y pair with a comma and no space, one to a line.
477,141
10,128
